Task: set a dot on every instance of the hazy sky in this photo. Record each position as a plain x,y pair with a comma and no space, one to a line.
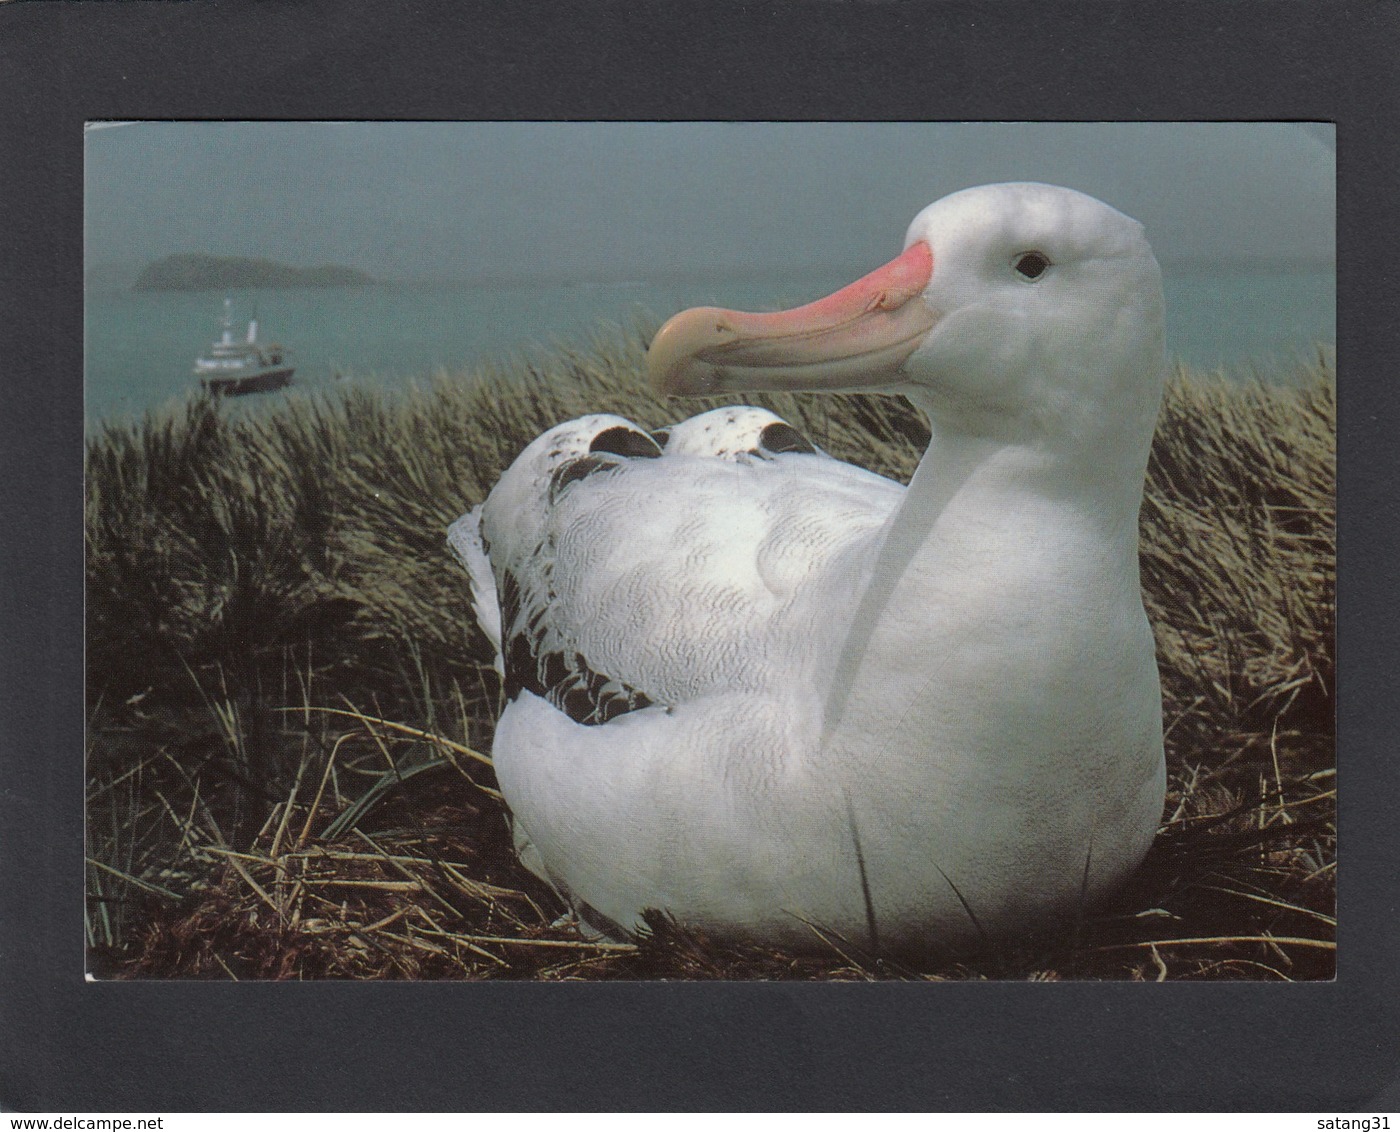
429,200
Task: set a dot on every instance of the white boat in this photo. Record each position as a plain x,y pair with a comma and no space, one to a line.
231,367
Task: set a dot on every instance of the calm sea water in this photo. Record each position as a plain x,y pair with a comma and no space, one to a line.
141,345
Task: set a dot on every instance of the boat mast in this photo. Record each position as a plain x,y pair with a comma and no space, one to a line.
227,339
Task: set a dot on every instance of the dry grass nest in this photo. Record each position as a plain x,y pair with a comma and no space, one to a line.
288,698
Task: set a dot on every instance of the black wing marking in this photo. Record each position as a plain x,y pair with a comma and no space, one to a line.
623,441
562,677
611,448
782,437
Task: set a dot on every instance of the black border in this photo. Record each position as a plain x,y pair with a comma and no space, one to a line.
181,1047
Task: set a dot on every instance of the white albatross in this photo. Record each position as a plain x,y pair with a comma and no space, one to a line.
763,690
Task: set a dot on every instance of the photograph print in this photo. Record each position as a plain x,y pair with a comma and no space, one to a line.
710,551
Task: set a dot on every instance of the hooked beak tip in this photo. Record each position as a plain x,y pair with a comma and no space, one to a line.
674,361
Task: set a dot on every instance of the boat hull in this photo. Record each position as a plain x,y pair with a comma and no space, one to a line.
262,382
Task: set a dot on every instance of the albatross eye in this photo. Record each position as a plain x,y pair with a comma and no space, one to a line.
1031,265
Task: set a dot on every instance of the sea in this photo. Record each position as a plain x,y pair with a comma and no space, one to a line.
140,346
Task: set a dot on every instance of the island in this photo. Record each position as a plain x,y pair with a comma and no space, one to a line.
196,271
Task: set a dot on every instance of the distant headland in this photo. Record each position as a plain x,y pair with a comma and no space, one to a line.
195,271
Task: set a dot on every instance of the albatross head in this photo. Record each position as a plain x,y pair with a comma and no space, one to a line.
1022,311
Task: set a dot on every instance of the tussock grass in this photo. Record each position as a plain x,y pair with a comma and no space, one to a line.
287,695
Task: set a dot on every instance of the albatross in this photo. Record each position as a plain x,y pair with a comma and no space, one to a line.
773,694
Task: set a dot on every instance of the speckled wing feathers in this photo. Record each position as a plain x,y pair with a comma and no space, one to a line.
628,576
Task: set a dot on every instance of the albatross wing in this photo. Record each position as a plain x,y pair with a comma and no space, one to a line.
628,575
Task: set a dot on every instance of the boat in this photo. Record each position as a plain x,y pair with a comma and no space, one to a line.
232,368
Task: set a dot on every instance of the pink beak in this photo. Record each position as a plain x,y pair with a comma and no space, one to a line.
859,336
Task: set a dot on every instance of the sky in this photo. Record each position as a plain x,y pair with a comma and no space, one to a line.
555,201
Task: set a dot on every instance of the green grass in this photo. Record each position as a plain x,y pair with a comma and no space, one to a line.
287,695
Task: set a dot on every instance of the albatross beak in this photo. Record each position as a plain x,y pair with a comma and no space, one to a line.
860,336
